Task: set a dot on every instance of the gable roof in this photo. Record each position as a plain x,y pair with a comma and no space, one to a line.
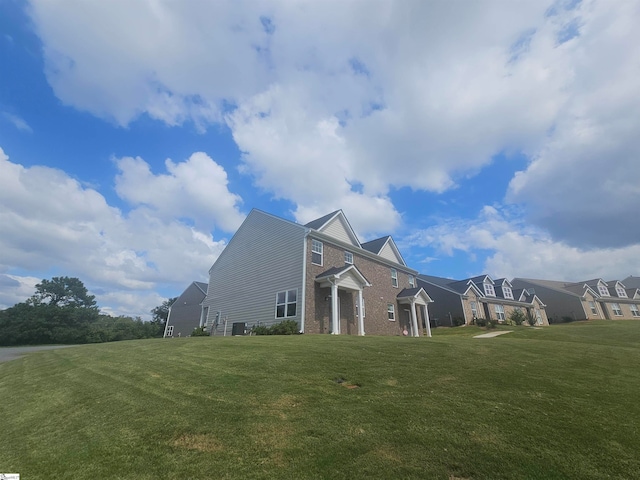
318,223
202,286
385,247
336,225
414,293
338,272
459,287
632,281
577,289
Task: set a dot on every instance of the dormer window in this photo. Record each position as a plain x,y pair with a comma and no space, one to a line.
488,290
507,292
621,292
604,291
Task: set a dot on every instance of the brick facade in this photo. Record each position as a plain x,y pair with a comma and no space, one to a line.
376,297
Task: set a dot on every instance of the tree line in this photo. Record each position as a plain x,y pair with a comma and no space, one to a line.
62,312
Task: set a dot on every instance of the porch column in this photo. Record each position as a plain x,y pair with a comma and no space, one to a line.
334,309
414,319
360,314
426,319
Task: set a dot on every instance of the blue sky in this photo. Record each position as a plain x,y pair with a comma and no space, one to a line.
485,137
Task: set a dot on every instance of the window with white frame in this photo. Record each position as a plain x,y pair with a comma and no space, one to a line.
488,290
634,310
286,303
621,292
617,311
604,291
394,277
500,313
592,306
316,252
506,291
474,309
170,331
391,311
348,258
538,317
364,309
412,281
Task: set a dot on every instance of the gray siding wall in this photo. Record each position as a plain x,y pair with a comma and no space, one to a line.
444,303
186,311
558,304
264,257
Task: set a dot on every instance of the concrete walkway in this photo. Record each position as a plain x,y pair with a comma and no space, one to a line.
492,334
11,353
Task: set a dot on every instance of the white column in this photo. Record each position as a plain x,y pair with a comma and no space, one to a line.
334,309
426,315
360,314
414,318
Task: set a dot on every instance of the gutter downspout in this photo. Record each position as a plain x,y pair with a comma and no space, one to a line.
303,309
166,325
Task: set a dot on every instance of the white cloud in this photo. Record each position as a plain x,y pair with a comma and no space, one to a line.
196,188
583,184
16,288
50,222
515,250
350,100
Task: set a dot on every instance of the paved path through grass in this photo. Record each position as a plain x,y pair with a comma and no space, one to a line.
492,334
11,353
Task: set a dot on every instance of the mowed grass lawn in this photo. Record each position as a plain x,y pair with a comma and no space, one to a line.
559,402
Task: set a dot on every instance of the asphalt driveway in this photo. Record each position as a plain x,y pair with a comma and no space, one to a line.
11,353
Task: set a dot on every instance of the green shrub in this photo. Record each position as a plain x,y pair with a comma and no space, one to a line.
531,320
457,321
200,332
517,317
481,322
286,327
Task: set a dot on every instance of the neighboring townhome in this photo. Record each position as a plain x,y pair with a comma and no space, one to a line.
585,300
460,302
318,275
185,314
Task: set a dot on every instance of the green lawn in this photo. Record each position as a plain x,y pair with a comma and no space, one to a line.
558,402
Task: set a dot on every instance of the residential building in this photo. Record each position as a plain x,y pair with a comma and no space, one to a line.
585,300
185,314
318,275
460,302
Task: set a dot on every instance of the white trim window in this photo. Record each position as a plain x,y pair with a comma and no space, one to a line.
394,277
507,292
348,258
488,290
391,312
604,291
634,310
412,282
500,313
592,306
621,292
474,308
538,317
316,252
364,309
170,331
617,311
286,303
